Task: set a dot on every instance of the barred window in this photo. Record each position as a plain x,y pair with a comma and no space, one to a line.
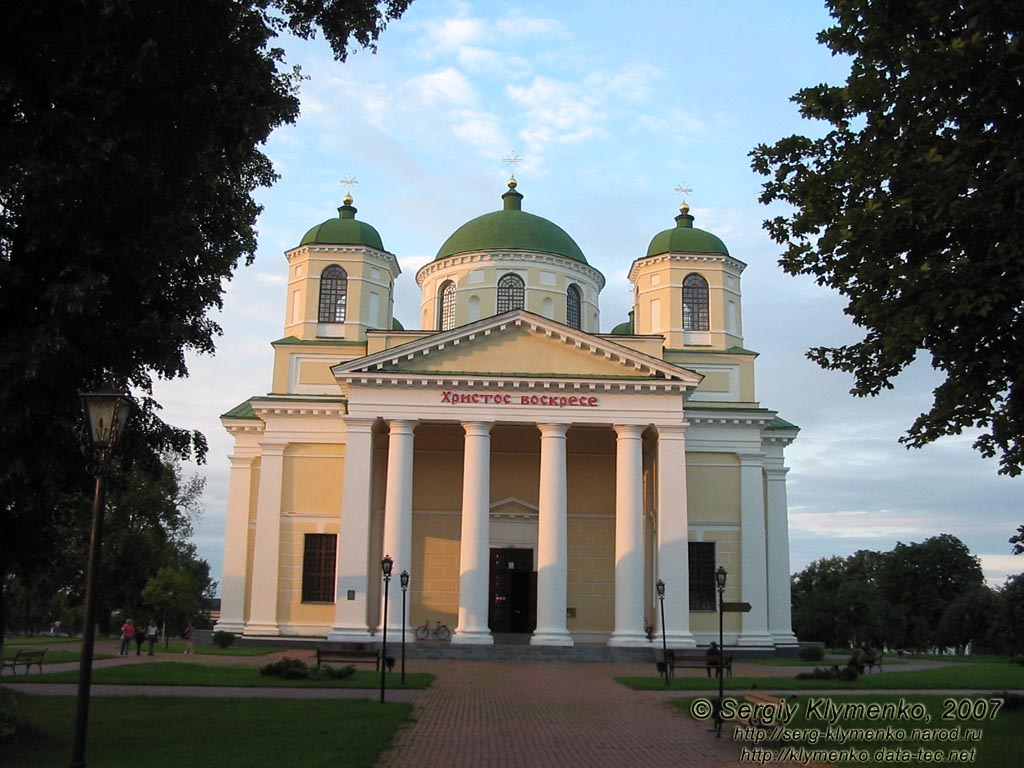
702,576
573,304
446,313
333,294
318,561
511,293
695,303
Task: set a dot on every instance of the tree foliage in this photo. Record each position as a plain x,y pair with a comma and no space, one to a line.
910,206
131,136
916,596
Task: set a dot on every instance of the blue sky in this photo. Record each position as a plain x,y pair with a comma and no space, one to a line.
611,106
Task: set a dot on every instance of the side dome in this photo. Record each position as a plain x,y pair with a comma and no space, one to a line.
511,229
685,238
344,230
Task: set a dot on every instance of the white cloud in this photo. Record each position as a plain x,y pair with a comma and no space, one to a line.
445,85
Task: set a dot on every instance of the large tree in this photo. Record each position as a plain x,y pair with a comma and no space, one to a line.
909,203
130,146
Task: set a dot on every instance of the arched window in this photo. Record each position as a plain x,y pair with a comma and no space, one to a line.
573,304
333,294
446,304
695,303
511,293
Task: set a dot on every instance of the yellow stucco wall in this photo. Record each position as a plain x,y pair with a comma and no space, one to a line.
713,487
591,573
312,479
291,609
435,555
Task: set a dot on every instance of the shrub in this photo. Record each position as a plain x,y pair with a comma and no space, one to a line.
834,672
287,668
223,639
812,653
334,673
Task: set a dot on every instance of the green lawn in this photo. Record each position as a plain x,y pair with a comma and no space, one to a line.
52,656
183,673
995,739
977,676
204,733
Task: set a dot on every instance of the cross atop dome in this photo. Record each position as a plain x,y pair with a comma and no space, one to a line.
512,161
348,184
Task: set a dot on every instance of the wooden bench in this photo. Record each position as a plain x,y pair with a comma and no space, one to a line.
765,703
348,656
694,661
874,660
25,657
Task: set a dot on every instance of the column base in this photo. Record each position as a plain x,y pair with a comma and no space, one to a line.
629,640
782,639
258,629
677,640
472,637
350,635
755,640
236,627
557,638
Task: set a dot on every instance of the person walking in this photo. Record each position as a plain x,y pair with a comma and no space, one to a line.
187,634
127,635
151,635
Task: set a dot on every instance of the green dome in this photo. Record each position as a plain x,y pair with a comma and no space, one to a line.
344,230
396,325
511,229
626,328
685,238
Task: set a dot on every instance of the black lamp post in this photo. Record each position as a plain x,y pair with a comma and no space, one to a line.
720,576
385,565
660,586
108,411
404,579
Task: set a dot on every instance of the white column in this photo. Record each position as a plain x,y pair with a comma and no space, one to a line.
779,600
398,514
552,540
674,535
474,552
266,552
351,593
629,538
753,569
236,542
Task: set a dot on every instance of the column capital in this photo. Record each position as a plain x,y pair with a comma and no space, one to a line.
402,426
552,430
627,431
672,431
477,428
358,423
750,458
243,460
272,448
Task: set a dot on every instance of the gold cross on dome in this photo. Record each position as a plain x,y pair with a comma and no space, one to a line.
512,161
349,183
684,191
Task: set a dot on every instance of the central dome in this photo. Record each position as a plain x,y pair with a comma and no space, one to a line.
511,229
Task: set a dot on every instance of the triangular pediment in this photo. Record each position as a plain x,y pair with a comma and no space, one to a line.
517,344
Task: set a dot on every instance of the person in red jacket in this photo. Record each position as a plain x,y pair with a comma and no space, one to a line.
127,635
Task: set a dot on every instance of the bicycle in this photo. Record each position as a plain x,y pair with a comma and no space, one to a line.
440,631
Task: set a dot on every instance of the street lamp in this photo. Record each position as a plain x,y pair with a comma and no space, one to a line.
660,586
385,566
108,411
720,576
404,579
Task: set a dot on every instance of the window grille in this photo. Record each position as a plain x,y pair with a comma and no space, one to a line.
511,293
318,562
573,304
333,294
702,576
695,304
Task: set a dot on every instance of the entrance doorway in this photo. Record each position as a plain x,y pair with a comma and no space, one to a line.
513,591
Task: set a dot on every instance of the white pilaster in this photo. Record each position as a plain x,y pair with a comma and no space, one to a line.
236,542
350,615
474,554
398,514
754,569
780,624
674,535
266,551
552,540
629,538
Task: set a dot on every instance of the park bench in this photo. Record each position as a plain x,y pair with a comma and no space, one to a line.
347,656
694,661
873,660
25,657
764,702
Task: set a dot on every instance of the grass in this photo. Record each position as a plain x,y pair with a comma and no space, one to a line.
205,733
996,740
978,676
182,673
52,656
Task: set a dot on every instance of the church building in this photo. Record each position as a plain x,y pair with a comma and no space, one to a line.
533,475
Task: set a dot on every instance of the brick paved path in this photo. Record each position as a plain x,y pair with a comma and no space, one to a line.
549,715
